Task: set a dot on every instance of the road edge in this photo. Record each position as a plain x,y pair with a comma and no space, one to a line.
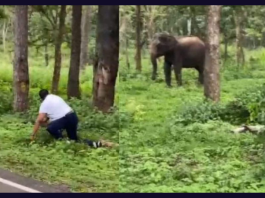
30,183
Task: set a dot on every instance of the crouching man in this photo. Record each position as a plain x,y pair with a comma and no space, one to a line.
60,115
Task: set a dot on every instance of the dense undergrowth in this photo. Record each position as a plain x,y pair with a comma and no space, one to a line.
75,166
171,140
177,142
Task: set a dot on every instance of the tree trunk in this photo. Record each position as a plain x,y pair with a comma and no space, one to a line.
185,28
192,20
86,23
4,32
57,53
107,57
238,16
20,66
263,39
124,39
189,26
73,89
37,51
151,24
138,39
46,54
126,53
226,48
211,72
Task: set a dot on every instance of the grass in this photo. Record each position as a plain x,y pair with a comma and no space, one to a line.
158,153
170,140
77,166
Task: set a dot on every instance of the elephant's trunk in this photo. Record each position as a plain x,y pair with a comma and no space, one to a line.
154,63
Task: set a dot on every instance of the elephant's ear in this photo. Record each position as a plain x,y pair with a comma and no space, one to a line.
162,43
167,41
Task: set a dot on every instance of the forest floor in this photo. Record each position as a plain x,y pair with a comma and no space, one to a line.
170,140
76,166
178,143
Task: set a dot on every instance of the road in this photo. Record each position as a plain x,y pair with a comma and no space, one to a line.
6,188
14,183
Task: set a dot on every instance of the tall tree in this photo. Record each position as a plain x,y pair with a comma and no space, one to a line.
58,56
73,89
20,67
107,57
138,38
150,26
211,73
239,19
86,26
123,36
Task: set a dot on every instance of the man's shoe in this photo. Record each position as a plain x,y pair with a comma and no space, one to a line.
97,144
93,143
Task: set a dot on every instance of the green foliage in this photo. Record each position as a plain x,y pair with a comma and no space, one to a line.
177,142
247,107
171,140
198,112
5,98
75,165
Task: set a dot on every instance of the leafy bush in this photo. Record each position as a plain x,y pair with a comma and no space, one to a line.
248,106
198,112
6,97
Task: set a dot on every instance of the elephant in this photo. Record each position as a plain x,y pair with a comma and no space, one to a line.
181,52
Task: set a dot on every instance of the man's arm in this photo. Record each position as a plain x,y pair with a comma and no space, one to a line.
45,122
41,118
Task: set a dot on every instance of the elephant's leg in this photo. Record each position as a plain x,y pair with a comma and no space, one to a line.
167,71
178,76
200,78
177,70
154,63
154,74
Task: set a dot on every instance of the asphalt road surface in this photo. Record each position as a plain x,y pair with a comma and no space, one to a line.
14,183
8,186
4,188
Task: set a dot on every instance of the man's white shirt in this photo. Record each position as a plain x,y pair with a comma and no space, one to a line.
55,107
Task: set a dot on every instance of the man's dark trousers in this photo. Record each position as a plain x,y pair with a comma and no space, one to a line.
69,122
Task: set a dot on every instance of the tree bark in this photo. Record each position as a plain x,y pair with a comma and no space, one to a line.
185,28
151,24
192,20
211,72
86,23
138,39
263,40
20,66
238,16
226,48
46,54
4,32
126,53
124,38
107,58
73,89
57,53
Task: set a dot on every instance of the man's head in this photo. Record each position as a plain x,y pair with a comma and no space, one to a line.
43,93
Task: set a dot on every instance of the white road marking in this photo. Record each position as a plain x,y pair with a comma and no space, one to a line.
18,186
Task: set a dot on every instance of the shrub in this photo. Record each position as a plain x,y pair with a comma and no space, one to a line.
247,107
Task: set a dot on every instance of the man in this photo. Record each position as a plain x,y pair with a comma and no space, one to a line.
60,115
